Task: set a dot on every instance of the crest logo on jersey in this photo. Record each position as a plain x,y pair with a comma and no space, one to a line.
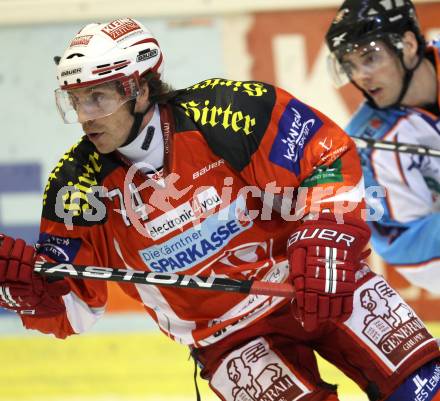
257,255
296,127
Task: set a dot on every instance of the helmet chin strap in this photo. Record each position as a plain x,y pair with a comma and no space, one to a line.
138,118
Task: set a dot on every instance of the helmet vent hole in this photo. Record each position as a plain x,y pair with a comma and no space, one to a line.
102,65
120,62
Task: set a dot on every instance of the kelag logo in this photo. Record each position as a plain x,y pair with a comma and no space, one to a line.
196,245
295,129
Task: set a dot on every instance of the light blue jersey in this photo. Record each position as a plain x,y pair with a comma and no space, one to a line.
408,233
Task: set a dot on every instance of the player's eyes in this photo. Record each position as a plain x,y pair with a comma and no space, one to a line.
370,58
98,97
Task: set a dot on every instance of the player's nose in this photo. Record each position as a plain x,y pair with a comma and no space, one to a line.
361,76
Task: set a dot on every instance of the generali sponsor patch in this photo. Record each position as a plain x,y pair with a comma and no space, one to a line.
386,323
256,373
120,27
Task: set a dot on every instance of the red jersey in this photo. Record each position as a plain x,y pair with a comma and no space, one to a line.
241,161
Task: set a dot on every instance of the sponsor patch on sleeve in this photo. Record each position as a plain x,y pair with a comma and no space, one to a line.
422,385
325,175
296,127
60,249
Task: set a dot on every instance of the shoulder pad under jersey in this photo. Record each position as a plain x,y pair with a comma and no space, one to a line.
68,195
435,43
231,115
370,122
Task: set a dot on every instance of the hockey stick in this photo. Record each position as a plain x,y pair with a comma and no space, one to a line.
364,143
164,279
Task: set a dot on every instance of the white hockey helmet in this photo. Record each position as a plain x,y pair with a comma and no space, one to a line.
115,53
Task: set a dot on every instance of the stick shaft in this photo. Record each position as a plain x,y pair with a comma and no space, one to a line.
363,143
213,283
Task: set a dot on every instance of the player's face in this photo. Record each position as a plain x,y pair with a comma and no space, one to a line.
110,132
377,70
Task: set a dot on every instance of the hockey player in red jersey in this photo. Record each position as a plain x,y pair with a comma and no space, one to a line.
229,178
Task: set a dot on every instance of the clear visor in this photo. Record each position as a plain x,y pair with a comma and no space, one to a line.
356,59
93,102
336,72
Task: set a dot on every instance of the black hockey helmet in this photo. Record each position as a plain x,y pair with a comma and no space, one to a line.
360,21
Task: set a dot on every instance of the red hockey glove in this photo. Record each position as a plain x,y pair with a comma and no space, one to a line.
324,257
22,290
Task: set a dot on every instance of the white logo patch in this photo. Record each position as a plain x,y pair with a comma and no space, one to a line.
337,40
183,214
256,373
386,324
